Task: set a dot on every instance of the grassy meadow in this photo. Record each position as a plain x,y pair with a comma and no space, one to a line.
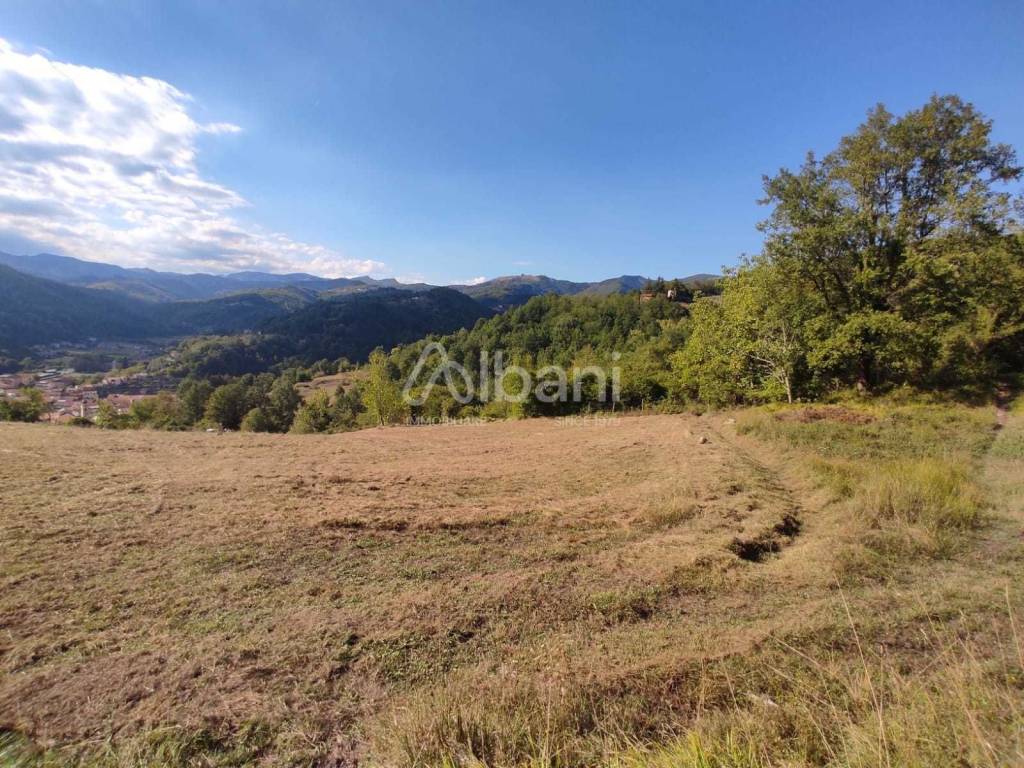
828,585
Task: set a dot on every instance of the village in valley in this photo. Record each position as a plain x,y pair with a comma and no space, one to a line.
74,382
70,395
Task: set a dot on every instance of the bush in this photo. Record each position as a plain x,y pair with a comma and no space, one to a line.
315,415
29,407
256,421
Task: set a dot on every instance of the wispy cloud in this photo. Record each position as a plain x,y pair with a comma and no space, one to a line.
102,165
473,281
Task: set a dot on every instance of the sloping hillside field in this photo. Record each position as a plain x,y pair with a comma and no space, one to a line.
645,590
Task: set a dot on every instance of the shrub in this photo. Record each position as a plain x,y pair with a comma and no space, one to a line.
29,407
256,421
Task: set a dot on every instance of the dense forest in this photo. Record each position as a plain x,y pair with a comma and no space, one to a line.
567,331
348,327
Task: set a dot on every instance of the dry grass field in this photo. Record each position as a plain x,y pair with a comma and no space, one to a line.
807,586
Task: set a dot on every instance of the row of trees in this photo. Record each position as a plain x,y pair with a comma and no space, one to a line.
265,403
250,403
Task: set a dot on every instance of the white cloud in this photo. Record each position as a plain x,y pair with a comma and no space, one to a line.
473,281
411,277
102,166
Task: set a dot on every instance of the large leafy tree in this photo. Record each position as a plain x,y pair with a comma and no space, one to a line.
281,403
858,228
193,395
229,403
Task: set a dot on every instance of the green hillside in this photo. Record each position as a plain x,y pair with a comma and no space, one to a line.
37,311
349,326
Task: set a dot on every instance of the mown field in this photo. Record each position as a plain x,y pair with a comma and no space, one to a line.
805,586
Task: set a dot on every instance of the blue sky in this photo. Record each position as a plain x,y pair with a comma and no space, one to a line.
451,141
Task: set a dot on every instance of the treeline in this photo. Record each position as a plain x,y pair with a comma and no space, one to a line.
894,260
572,332
250,403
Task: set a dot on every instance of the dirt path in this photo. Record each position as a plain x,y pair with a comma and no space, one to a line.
1003,398
768,467
1003,473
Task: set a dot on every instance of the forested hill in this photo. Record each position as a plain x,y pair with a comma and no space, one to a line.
291,322
570,331
36,311
503,293
354,326
349,326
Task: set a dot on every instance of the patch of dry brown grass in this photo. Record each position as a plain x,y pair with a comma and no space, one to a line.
509,594
282,579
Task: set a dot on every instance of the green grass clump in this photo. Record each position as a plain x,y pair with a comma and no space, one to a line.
627,605
671,514
933,493
1009,443
840,478
730,750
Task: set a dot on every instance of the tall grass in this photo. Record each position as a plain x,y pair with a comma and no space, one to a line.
960,704
904,508
967,710
904,475
875,432
932,492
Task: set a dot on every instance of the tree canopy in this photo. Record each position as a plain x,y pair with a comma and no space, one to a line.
895,259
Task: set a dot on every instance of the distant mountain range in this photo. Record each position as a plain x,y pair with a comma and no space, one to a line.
291,321
150,285
48,298
34,311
